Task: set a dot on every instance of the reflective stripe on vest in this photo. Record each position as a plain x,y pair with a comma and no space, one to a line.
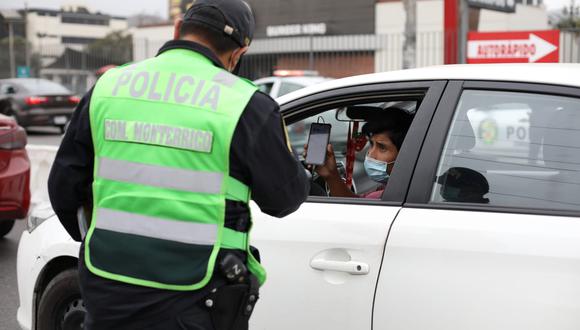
178,231
162,177
172,178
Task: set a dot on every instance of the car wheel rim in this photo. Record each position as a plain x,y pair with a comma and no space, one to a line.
73,315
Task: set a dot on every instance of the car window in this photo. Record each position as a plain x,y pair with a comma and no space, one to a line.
5,88
266,87
286,87
298,134
512,149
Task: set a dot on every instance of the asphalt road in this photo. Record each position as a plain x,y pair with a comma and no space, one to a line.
9,300
8,291
44,136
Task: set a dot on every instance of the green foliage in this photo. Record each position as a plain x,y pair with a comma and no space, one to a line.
19,57
116,46
569,18
569,23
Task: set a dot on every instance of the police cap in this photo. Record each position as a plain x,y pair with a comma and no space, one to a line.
232,17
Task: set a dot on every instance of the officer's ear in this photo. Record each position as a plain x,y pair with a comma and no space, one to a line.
235,57
176,27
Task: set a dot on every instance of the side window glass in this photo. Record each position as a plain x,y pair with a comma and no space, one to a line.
512,149
266,88
287,87
388,120
7,89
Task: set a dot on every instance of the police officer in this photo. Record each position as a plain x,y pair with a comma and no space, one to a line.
165,154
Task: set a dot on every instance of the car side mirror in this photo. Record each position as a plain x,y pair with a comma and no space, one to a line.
10,90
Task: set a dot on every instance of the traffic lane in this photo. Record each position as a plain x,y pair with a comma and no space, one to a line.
44,135
9,300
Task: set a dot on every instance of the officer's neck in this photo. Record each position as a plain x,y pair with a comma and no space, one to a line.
224,58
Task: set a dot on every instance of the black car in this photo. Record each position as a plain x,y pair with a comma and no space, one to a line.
37,102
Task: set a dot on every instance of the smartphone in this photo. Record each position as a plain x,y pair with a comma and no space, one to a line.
317,142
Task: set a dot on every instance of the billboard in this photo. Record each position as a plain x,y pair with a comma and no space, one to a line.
279,18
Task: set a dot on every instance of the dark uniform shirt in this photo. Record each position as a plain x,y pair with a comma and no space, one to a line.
259,157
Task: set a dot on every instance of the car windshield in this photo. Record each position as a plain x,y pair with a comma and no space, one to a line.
42,87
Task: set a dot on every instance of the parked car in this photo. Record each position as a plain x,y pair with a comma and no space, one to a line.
14,174
287,81
37,102
477,228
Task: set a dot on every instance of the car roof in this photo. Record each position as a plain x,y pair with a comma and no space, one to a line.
17,80
553,73
301,80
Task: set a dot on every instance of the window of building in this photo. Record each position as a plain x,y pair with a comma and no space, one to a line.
84,19
512,149
78,40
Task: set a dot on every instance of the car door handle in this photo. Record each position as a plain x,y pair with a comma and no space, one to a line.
351,267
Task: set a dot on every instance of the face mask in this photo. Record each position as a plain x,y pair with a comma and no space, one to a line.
376,169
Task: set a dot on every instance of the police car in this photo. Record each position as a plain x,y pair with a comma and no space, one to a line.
286,81
478,227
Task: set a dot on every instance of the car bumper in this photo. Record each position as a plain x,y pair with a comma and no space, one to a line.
44,117
36,250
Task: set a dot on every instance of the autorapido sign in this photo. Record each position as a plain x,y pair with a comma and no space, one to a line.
513,47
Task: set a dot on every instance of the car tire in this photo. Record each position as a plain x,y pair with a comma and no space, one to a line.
61,306
6,227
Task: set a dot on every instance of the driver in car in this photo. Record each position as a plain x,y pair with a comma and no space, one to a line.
385,131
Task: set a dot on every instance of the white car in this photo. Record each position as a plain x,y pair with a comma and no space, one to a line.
478,228
277,86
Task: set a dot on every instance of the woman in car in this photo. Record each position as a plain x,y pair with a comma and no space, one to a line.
386,131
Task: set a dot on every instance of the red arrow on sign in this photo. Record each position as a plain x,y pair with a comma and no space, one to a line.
513,47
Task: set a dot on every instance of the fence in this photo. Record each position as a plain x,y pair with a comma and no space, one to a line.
334,56
570,46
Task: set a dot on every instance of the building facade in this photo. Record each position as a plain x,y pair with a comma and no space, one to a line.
58,39
340,38
70,26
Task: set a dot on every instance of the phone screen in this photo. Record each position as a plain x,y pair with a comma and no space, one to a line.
317,142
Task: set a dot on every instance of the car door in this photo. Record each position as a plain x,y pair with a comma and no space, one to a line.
323,260
489,237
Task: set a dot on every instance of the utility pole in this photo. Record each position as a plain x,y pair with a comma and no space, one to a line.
11,46
26,46
410,45
463,29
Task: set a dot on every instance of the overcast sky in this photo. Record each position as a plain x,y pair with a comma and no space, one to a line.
112,7
158,7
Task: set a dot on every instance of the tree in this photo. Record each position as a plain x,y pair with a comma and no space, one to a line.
19,56
569,18
116,47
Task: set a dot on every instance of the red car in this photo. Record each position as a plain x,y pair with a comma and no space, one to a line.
14,174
